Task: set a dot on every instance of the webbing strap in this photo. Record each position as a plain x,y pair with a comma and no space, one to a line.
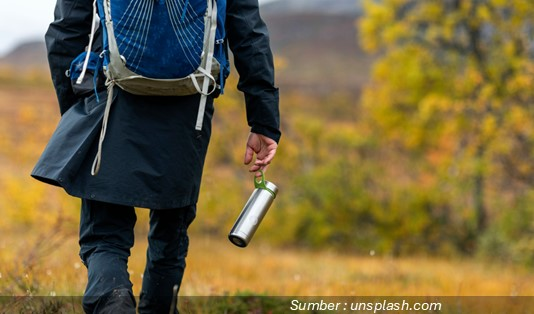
90,46
206,75
212,13
98,158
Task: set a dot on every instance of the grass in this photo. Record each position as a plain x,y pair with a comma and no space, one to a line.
274,271
48,264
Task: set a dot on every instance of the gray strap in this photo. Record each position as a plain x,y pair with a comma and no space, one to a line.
206,75
212,13
98,158
89,47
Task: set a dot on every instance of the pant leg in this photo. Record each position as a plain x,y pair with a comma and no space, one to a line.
167,249
106,237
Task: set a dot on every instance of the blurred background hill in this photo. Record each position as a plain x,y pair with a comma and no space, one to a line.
26,56
340,7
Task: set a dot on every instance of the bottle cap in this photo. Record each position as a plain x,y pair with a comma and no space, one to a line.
265,185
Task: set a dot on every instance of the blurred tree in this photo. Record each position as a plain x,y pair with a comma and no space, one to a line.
452,89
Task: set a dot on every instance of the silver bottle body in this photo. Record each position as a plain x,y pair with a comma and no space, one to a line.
252,214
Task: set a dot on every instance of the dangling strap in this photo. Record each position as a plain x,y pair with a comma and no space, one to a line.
212,13
206,75
95,77
90,46
221,80
98,158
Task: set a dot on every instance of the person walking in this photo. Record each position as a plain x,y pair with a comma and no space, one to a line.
153,157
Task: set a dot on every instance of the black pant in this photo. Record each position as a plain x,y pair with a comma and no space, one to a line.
106,237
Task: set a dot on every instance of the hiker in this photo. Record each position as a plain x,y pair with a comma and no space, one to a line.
152,156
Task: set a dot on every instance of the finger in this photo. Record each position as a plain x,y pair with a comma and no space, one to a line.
267,159
254,168
257,169
264,169
249,153
261,164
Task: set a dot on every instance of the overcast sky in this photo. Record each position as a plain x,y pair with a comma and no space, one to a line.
25,20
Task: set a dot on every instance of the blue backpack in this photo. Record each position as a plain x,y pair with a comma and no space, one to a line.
159,47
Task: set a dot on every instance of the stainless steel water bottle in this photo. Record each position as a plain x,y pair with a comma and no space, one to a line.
252,214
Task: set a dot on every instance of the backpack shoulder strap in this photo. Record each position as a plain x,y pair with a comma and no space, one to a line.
90,46
212,20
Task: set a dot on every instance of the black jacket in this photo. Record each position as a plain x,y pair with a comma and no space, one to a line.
152,154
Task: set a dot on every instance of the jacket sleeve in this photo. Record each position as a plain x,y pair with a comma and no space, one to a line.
248,39
66,37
